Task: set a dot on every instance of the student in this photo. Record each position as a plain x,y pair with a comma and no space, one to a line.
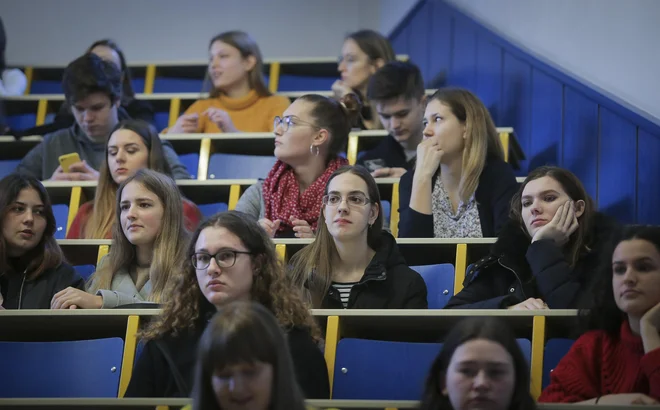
545,256
480,366
148,244
133,145
243,361
92,87
362,54
32,267
12,80
239,100
309,137
353,263
230,258
461,187
397,93
617,362
130,107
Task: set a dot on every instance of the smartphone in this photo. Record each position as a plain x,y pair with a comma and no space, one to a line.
374,164
67,160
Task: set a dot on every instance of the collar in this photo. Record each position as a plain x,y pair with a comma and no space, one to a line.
241,103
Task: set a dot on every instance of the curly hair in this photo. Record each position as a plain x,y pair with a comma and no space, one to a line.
270,287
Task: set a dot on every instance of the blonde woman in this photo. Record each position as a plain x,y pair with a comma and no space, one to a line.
461,186
148,245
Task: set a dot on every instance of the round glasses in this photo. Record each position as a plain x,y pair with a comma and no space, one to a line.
225,258
290,120
354,200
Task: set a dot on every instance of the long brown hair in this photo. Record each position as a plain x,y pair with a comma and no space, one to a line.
247,46
270,287
47,254
312,266
103,214
169,245
245,332
582,239
482,140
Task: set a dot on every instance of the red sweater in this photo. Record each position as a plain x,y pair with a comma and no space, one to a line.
191,214
599,364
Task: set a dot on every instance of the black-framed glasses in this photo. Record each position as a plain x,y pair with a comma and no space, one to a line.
225,258
290,120
353,200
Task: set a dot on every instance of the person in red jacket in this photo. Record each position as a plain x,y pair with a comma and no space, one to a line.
618,361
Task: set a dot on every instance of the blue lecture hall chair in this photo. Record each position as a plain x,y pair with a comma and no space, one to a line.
553,352
61,218
387,211
46,87
85,271
138,84
304,83
7,166
177,85
82,368
191,162
162,120
234,166
211,209
22,121
439,281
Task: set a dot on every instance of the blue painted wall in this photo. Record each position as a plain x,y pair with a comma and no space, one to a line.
557,120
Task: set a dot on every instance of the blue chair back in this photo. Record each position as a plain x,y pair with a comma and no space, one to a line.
439,281
555,350
61,219
8,166
177,85
162,120
22,121
191,162
46,87
85,271
233,166
209,210
290,82
82,368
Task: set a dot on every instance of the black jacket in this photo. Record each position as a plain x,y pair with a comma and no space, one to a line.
388,283
388,153
164,360
517,270
497,185
20,293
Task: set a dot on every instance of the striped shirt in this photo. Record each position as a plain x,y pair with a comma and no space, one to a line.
344,290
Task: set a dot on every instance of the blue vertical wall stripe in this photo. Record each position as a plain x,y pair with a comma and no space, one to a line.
440,42
489,76
418,40
648,177
546,121
515,109
464,45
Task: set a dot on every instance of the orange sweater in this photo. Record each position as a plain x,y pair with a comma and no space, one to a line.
249,114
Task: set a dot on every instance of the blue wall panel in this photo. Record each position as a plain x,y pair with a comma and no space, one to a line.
464,46
580,144
399,40
546,122
439,43
489,76
418,42
648,177
515,109
617,176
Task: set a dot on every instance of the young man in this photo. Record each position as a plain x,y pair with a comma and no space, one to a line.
92,87
397,92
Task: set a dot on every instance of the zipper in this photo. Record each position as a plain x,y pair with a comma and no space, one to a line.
353,296
20,293
522,289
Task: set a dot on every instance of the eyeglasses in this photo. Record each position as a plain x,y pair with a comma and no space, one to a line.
290,120
225,258
353,200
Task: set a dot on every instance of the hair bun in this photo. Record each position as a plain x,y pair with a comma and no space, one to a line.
352,106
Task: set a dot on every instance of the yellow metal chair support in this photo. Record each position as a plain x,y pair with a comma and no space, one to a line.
505,138
538,343
29,73
234,196
274,77
351,151
461,266
281,251
394,211
42,110
103,250
75,201
204,157
130,344
332,337
175,109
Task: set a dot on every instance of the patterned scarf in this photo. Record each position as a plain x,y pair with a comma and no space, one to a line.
283,198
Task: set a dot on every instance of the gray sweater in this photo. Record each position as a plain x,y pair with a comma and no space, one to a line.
123,291
252,201
43,159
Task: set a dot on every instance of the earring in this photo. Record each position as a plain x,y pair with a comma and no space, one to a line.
314,150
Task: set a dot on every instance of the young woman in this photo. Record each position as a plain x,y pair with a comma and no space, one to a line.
230,258
32,267
12,80
545,257
148,245
243,361
617,362
132,146
353,263
461,187
309,137
480,366
239,100
362,54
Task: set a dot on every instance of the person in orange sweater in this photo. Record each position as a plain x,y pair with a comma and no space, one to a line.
133,145
618,361
239,100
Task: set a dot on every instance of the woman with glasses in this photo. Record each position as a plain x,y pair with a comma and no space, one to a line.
309,138
230,259
353,263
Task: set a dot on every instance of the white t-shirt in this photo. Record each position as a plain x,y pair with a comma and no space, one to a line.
12,83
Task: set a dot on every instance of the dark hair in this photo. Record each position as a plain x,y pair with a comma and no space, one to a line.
396,79
581,240
605,314
151,139
47,254
90,74
374,45
3,46
335,116
245,332
488,328
127,92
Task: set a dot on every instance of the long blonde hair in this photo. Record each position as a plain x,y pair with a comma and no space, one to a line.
482,141
103,214
169,245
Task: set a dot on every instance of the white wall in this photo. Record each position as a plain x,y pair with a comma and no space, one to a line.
53,32
612,44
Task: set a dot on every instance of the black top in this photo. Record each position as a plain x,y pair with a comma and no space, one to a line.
164,360
20,293
388,283
388,153
497,185
516,270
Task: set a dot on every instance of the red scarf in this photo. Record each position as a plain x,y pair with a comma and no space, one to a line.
283,198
